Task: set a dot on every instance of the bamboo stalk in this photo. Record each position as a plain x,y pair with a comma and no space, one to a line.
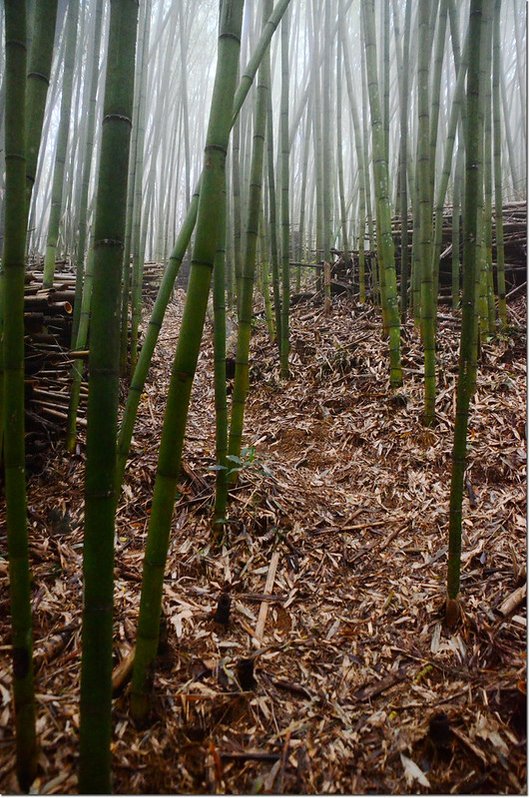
100,502
187,352
13,387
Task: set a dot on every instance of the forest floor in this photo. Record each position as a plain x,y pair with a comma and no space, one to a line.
338,532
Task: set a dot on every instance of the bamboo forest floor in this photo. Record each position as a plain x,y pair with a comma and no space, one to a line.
338,531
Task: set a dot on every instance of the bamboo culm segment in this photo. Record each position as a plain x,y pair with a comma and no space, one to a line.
454,117
427,301
380,168
98,553
241,379
151,336
186,355
467,341
403,199
13,355
83,282
62,141
38,81
284,128
138,255
497,170
360,160
221,410
166,286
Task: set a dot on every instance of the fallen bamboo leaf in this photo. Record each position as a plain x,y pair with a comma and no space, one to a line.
413,772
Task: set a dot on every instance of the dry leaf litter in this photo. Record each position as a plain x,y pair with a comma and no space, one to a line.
334,568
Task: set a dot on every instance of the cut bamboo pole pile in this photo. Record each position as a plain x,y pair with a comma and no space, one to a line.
48,329
515,243
151,280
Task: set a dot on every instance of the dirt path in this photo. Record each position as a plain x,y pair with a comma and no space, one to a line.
338,529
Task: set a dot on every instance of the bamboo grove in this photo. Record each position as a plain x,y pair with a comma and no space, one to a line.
355,131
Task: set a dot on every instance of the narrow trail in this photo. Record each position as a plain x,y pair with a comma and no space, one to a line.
338,531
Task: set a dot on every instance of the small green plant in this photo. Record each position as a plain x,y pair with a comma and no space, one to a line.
245,462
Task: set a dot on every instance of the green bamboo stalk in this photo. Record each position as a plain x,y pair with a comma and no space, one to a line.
380,171
508,133
340,165
62,141
285,217
273,223
221,411
83,294
485,78
151,336
467,342
488,187
13,262
455,234
131,210
249,73
187,352
427,299
403,199
377,272
138,254
358,136
38,81
455,32
302,252
497,166
100,499
241,379
317,48
366,161
170,274
45,135
236,204
183,47
263,260
454,118
385,78
325,82
38,78
265,289
520,60
435,91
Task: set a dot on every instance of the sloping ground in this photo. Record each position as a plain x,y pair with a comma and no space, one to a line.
338,531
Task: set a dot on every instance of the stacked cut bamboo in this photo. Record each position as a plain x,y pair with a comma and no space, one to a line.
514,227
151,280
48,327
